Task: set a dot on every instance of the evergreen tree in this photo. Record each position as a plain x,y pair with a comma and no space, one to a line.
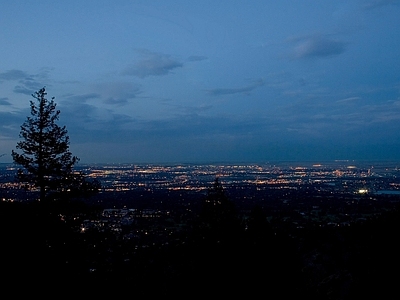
46,161
219,213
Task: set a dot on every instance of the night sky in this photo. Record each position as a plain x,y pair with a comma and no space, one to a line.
205,81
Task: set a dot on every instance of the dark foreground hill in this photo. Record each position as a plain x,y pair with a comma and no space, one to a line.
43,247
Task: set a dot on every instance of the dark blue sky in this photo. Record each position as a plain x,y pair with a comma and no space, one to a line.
199,81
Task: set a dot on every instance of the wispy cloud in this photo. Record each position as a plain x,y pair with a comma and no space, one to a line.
10,123
116,101
78,113
317,46
4,101
197,109
20,89
371,4
13,75
188,110
87,121
84,97
240,90
27,83
118,93
152,64
348,100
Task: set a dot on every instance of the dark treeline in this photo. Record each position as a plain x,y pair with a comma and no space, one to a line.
219,253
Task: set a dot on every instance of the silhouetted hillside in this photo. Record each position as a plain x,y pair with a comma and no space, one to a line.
258,255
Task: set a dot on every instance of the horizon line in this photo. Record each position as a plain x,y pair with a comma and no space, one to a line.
233,162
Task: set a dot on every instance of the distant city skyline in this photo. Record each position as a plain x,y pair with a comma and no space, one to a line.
207,81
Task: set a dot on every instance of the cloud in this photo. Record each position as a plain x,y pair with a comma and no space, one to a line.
197,109
188,110
379,3
188,126
240,90
84,97
152,64
87,122
10,122
97,125
28,87
118,93
23,90
13,75
348,100
4,101
27,84
116,101
77,112
317,46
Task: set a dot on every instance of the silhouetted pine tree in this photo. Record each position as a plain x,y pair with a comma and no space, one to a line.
41,236
46,161
219,216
